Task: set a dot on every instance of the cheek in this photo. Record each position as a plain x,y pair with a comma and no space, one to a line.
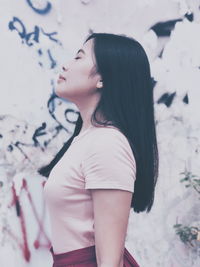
79,81
79,78
76,86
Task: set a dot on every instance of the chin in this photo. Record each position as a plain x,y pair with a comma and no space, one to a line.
59,92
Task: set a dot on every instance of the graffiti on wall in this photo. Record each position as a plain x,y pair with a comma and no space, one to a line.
42,11
22,142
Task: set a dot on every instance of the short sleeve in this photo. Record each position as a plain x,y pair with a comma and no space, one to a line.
109,163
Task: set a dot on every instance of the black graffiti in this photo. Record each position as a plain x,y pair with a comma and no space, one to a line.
168,98
189,16
186,99
43,131
52,108
67,112
39,132
42,11
164,28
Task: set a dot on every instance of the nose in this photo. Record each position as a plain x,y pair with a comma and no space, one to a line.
63,68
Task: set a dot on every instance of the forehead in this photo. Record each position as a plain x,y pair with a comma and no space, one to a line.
88,47
88,51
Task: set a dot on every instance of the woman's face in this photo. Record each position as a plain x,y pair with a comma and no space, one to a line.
79,78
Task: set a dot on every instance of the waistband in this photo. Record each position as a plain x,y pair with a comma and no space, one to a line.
75,256
87,255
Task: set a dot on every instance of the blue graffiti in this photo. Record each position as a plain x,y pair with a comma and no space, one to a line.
18,25
51,104
53,62
40,52
50,36
21,30
43,11
34,37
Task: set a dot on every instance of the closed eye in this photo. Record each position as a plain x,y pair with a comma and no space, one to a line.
76,57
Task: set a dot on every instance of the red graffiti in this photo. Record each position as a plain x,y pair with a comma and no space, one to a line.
23,242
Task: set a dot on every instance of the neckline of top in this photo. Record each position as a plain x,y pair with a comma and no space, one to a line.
81,134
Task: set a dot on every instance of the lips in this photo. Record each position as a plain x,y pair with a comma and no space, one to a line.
61,77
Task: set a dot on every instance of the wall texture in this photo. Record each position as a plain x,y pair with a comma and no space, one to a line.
37,36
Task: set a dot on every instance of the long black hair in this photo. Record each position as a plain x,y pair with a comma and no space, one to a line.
126,101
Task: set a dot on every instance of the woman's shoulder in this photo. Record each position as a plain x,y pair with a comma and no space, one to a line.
108,136
110,143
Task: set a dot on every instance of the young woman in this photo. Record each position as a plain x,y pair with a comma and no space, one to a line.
110,164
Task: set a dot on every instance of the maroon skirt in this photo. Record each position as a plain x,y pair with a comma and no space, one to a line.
85,257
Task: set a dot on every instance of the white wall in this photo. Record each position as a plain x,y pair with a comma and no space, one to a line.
33,125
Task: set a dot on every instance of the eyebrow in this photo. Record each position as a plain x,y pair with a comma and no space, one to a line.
81,50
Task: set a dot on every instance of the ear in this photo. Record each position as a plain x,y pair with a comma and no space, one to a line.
100,84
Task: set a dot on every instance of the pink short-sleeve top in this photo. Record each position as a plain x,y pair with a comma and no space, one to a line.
99,157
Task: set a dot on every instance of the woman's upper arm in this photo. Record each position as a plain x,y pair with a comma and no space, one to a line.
111,213
109,169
